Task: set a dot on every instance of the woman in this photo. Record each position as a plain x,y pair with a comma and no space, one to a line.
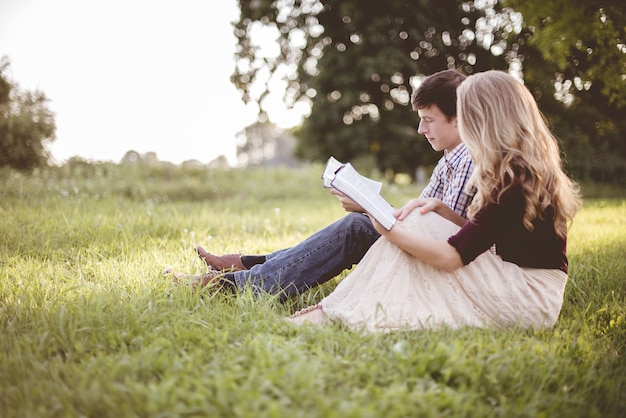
506,266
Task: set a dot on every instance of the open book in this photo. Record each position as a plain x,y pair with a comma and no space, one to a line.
363,190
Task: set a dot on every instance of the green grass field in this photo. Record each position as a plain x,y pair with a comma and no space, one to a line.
90,328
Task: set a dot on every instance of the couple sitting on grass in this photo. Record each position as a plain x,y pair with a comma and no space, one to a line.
484,244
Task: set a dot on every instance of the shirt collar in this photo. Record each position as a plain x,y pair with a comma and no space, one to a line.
456,152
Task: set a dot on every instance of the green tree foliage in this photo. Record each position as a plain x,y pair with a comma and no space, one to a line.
580,48
584,39
356,62
26,125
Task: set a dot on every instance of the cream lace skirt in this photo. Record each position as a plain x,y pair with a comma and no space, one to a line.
391,290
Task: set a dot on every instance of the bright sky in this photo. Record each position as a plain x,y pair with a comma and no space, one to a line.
143,75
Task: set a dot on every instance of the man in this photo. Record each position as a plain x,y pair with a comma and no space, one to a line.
342,244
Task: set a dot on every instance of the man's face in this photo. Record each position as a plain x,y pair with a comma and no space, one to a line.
441,133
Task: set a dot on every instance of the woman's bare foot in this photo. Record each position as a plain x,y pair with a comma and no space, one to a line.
313,315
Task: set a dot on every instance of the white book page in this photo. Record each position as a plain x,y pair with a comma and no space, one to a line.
333,165
329,172
360,189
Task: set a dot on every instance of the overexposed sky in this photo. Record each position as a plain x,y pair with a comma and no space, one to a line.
142,75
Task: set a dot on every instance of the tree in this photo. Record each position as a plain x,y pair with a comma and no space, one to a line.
588,69
356,63
26,125
584,39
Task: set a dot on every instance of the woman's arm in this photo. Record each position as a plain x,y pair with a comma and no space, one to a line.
430,205
435,252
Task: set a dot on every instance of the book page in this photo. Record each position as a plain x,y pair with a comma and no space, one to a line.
329,172
333,165
359,188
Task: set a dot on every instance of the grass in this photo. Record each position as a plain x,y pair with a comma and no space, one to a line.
89,327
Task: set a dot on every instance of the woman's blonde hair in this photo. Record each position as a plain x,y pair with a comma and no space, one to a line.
510,142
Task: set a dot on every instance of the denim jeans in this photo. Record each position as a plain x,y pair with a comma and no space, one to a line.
314,261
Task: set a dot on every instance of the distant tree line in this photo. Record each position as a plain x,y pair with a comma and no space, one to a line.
26,124
356,62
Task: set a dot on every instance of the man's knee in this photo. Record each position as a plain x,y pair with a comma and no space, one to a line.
358,226
357,221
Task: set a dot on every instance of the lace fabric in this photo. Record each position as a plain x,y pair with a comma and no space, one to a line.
391,290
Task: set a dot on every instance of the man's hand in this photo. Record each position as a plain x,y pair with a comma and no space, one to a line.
347,204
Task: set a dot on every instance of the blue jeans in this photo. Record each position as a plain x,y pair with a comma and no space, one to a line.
314,261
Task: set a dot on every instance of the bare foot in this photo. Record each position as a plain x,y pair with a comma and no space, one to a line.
193,280
313,315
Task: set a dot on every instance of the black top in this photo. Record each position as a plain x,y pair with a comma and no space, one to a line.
502,224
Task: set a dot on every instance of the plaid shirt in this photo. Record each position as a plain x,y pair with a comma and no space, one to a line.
447,183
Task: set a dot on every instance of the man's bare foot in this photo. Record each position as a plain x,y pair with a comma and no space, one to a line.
225,262
211,277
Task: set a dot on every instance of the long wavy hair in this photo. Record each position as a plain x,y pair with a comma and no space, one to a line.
510,142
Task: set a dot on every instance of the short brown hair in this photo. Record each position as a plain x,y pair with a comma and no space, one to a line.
439,89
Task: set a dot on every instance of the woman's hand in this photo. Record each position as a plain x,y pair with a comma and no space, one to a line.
347,204
426,205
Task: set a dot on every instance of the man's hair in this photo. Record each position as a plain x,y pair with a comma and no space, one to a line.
439,89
